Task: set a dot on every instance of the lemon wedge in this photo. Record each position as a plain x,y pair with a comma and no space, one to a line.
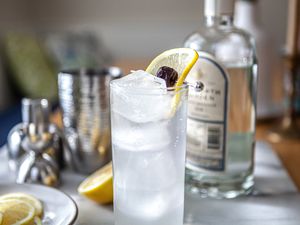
180,59
16,212
37,205
99,186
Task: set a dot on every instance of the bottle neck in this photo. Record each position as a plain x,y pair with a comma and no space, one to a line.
247,14
223,21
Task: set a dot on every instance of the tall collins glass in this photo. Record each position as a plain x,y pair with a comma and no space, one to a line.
149,142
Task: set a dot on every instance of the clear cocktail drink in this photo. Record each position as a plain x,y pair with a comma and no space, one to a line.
149,142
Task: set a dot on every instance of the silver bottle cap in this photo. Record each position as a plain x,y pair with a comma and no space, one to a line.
219,7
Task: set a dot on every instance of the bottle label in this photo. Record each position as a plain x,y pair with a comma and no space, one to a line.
207,115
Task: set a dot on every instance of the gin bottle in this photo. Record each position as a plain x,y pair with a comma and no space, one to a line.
221,118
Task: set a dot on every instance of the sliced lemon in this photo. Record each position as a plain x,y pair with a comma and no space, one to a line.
180,59
16,212
37,221
26,198
99,186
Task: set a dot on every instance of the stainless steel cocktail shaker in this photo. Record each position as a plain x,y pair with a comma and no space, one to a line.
84,100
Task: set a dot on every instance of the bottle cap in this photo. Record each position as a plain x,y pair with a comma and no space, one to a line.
219,7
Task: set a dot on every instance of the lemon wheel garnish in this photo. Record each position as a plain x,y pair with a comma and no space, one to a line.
99,186
16,212
180,59
26,198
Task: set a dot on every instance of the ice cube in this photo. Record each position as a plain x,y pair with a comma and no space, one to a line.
134,136
141,97
148,179
145,158
141,79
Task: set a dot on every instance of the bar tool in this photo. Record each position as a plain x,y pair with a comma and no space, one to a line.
84,101
35,146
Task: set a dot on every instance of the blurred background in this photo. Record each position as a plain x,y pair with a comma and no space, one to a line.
38,38
126,26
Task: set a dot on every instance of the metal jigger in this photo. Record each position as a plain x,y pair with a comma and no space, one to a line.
39,149
38,168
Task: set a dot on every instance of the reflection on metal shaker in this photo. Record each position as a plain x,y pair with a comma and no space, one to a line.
84,100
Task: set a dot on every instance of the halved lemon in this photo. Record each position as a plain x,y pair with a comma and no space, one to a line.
26,198
180,59
99,186
16,212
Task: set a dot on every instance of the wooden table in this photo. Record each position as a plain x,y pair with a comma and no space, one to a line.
288,150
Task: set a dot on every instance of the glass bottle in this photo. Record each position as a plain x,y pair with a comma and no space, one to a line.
248,17
220,150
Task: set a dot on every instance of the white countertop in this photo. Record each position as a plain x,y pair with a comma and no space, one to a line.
275,200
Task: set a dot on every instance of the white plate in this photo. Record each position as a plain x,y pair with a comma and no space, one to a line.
59,208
